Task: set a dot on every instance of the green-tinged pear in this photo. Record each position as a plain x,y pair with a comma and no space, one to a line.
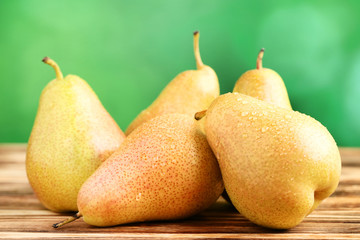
277,164
72,135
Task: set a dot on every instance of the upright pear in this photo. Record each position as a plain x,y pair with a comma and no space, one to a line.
264,84
164,170
277,164
187,93
72,135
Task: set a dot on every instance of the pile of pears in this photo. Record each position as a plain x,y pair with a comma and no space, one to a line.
180,154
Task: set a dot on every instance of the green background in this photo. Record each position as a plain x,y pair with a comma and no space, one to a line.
129,50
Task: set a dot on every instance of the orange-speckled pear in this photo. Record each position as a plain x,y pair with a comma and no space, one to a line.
277,164
187,93
264,84
71,136
164,170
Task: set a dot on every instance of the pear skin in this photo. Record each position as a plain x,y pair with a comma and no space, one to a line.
187,93
277,164
264,84
72,135
164,170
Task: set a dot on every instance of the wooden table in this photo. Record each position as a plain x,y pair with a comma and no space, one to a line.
23,217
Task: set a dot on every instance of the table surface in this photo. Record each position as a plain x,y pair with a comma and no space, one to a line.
23,217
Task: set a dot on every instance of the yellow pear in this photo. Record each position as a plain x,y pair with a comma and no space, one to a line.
72,135
277,164
164,170
264,84
187,93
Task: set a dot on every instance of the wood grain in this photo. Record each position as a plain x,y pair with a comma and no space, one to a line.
23,217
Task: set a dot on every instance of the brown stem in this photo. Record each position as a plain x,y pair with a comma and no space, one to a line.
259,59
200,115
199,63
69,220
52,63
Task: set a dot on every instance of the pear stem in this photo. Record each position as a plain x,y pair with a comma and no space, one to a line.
59,75
199,63
200,115
259,59
69,220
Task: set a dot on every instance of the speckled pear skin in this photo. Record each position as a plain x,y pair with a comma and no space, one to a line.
189,92
263,84
277,164
71,136
164,170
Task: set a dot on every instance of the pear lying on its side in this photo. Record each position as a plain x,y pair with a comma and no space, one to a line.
71,136
277,164
187,93
164,170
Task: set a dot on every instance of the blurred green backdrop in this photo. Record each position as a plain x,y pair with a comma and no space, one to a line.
129,50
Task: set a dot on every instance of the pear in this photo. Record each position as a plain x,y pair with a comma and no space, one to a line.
187,93
277,164
164,170
72,135
264,84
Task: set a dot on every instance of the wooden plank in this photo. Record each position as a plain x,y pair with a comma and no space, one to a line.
61,236
23,217
350,156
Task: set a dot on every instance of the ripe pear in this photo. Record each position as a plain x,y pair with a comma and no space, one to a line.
277,164
187,93
164,170
264,84
72,135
